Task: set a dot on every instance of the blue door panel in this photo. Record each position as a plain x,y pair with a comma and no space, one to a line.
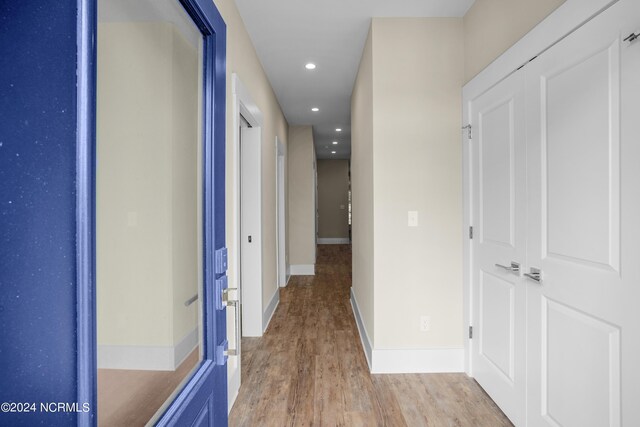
37,208
204,417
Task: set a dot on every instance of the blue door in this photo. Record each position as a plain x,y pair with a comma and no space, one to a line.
48,350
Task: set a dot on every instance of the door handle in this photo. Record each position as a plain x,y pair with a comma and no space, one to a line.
632,37
534,274
236,305
514,267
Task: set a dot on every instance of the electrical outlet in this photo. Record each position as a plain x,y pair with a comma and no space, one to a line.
425,323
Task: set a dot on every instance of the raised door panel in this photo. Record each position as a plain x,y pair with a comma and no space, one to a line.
496,141
581,159
580,368
497,323
498,151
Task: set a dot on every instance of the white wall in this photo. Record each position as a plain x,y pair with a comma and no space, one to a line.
300,163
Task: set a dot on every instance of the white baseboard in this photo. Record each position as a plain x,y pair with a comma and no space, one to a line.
303,269
233,387
417,361
185,347
406,361
271,308
147,358
333,240
364,336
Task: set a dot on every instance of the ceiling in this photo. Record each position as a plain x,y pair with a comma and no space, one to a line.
288,34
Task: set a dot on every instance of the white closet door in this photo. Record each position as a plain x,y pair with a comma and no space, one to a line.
498,150
583,167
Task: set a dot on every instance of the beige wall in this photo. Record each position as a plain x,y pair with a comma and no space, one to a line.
406,156
362,214
492,26
147,186
243,60
300,163
415,165
186,172
333,198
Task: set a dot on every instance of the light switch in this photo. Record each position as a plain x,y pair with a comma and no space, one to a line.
413,219
341,206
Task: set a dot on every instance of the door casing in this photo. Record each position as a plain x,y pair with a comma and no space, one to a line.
281,162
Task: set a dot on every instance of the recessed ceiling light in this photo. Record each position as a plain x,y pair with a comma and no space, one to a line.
335,142
338,130
333,152
310,66
315,109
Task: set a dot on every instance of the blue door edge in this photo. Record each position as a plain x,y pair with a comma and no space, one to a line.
208,19
86,34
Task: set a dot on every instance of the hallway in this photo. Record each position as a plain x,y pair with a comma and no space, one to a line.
309,368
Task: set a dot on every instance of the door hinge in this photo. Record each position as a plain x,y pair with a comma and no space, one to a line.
468,128
470,332
471,232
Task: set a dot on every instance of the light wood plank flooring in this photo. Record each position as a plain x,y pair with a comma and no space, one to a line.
309,368
130,398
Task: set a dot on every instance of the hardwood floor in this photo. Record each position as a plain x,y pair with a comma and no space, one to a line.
309,368
130,398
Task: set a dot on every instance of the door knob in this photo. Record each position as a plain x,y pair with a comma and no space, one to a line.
514,267
534,274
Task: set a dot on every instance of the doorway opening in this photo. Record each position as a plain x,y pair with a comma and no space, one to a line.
333,191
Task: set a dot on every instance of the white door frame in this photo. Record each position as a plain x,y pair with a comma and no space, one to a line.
281,162
315,208
243,104
567,18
